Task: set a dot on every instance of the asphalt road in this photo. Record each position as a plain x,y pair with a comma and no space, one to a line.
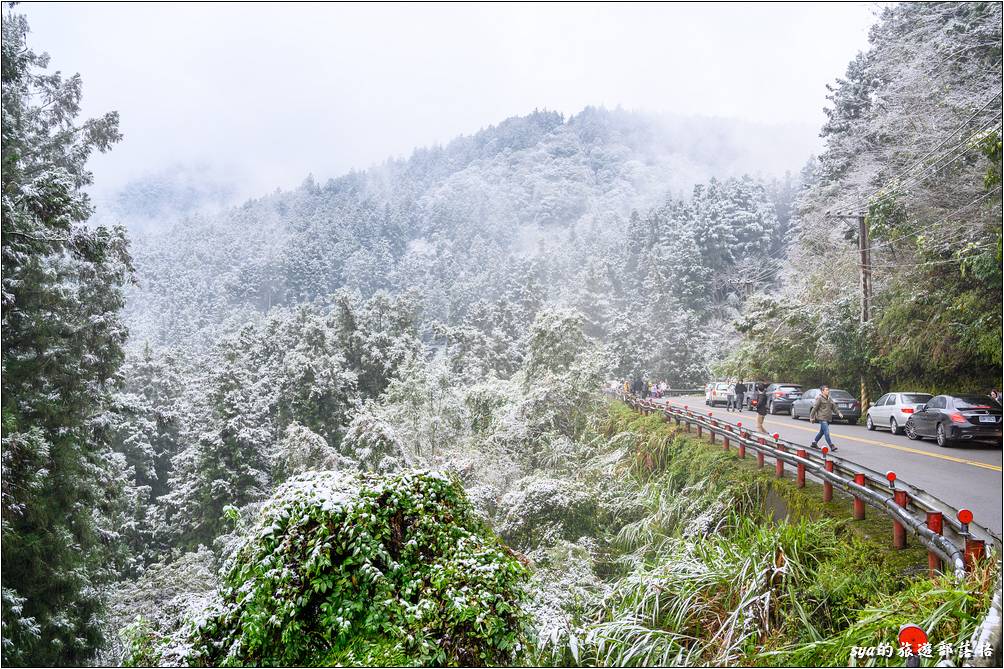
966,476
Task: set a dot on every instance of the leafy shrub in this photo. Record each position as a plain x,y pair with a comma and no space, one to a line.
366,569
540,510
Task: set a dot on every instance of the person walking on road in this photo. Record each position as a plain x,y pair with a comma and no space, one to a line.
761,406
822,410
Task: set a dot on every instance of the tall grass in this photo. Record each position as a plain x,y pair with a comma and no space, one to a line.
705,576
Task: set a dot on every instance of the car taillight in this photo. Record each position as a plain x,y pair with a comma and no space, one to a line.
957,418
778,393
907,410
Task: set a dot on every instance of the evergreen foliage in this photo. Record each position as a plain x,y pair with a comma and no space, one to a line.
62,349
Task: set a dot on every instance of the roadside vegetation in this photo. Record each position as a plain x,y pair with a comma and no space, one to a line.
221,436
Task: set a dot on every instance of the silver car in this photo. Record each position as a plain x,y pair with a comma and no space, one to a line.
892,410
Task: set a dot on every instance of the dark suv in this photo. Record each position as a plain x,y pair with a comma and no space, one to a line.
781,395
950,418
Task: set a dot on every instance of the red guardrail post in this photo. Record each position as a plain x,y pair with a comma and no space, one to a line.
759,454
901,499
827,486
725,437
935,523
975,548
742,444
859,504
801,468
714,424
688,414
778,462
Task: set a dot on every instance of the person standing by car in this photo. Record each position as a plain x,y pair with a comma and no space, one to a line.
761,406
739,391
822,410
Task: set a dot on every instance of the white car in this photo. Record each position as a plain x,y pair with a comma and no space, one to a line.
892,410
717,393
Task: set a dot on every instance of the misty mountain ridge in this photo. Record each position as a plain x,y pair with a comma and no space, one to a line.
703,146
535,188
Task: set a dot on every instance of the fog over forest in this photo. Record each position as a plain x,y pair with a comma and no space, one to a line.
306,338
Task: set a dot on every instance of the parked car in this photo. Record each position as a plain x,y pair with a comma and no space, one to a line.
719,394
848,406
892,410
749,397
952,418
780,396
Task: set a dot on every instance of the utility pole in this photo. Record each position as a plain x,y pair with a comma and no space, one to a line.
866,269
866,292
865,282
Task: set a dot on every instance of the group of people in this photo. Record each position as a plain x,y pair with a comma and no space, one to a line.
645,389
821,412
737,399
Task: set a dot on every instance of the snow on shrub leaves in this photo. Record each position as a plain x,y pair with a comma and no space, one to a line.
541,510
353,569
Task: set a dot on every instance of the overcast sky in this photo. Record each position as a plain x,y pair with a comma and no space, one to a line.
272,92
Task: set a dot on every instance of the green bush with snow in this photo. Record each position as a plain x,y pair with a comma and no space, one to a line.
367,569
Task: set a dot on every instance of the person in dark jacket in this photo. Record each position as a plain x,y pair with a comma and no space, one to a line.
739,391
822,410
761,406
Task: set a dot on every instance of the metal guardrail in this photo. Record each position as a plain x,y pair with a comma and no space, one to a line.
679,392
949,534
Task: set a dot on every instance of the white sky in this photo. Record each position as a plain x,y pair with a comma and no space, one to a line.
274,91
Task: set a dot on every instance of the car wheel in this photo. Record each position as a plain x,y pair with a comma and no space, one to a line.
941,437
869,424
911,430
894,426
794,416
770,409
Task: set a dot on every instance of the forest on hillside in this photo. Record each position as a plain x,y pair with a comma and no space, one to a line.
179,400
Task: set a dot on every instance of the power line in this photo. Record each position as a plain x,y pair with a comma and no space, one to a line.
939,163
947,158
947,261
925,225
943,142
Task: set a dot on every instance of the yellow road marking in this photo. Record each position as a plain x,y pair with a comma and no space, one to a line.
885,444
905,449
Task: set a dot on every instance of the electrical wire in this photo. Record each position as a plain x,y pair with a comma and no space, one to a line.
947,261
944,141
926,227
962,149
